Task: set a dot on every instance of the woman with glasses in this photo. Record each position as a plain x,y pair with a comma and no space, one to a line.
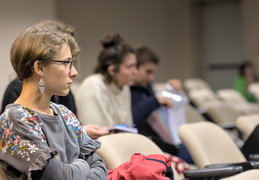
104,97
41,139
14,88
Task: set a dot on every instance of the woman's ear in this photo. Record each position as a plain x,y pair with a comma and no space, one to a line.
37,67
111,70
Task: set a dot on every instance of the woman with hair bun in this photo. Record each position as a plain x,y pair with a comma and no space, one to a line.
104,97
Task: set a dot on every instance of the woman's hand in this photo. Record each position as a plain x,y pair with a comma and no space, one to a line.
175,83
94,131
163,101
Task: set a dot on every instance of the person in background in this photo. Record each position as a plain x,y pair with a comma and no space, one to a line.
104,97
144,100
41,139
246,76
14,88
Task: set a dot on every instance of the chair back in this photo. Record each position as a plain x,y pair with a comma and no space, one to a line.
118,148
195,83
246,124
237,101
253,88
159,86
202,97
192,115
230,96
222,113
209,144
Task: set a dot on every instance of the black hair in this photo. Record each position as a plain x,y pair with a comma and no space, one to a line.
145,55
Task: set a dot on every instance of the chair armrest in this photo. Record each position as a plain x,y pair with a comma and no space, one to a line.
245,165
213,172
229,126
254,157
255,164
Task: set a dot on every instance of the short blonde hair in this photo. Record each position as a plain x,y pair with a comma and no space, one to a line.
38,44
57,26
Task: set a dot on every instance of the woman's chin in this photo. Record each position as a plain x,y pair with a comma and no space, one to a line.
64,93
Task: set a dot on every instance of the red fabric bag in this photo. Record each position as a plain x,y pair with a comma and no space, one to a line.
150,167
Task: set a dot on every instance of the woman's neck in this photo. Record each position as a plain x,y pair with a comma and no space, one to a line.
32,98
118,85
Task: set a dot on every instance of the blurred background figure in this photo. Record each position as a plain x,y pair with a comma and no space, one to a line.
144,101
104,97
247,75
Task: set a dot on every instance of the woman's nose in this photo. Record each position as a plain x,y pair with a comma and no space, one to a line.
73,72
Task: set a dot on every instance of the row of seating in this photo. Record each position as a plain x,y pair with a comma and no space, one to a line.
223,107
207,142
202,95
226,108
198,83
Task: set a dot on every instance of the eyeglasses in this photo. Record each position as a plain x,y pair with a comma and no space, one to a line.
68,63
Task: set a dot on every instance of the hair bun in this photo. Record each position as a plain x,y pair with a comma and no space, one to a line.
111,40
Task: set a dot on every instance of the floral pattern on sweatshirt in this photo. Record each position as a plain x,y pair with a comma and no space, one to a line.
11,141
72,122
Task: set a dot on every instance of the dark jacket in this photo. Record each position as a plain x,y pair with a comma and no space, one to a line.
143,103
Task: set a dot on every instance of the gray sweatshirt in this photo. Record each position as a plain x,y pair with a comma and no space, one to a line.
30,143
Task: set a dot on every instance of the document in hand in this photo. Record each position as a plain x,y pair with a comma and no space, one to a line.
123,128
165,121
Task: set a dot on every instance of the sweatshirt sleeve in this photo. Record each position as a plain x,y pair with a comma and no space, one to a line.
23,144
93,103
26,154
88,153
141,109
92,167
57,170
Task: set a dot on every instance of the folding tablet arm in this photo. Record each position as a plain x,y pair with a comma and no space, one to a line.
217,171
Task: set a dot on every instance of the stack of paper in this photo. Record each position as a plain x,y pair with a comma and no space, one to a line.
166,121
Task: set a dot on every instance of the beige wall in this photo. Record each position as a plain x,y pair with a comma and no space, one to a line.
250,15
163,25
15,16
